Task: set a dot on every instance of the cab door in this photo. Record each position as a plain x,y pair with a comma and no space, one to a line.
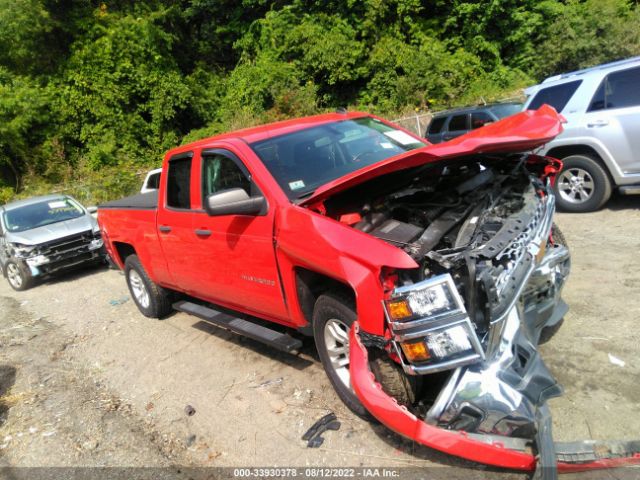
235,254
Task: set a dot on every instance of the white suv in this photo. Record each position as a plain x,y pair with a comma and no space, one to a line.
600,145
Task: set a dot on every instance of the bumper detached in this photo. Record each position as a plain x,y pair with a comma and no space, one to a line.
486,448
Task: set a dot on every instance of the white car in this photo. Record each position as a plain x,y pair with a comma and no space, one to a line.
151,181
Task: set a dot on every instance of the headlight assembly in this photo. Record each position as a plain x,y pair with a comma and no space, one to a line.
23,251
432,331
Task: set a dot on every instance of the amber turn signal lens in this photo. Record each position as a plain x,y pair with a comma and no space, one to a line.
399,309
416,351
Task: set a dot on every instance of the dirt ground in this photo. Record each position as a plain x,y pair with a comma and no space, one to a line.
85,380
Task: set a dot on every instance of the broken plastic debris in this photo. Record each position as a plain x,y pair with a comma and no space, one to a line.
314,434
275,381
616,361
119,301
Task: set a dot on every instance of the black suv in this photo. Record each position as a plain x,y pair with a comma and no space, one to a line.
447,125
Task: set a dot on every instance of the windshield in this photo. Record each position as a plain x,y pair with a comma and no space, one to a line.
502,111
302,161
42,213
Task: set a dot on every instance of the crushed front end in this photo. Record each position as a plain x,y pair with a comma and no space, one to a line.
463,329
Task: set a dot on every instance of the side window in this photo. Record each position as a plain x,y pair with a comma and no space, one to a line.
480,119
618,90
179,183
557,96
436,125
220,172
458,122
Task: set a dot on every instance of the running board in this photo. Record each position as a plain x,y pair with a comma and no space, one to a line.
629,190
273,338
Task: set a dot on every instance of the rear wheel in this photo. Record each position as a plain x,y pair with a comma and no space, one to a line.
18,275
583,185
333,316
152,300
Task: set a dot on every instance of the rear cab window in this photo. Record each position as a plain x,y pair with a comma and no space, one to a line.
619,89
557,96
179,182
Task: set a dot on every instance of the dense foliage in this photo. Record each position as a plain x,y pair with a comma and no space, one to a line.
92,93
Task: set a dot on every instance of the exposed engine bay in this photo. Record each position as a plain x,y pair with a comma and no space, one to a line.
470,219
488,283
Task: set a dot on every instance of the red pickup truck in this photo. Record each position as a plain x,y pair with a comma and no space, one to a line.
427,274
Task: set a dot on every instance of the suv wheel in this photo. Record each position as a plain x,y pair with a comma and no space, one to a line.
18,276
333,316
152,300
582,185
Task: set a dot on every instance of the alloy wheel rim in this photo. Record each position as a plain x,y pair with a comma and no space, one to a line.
336,340
138,289
576,185
13,274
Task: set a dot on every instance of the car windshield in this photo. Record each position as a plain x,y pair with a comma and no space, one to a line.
502,111
302,161
42,213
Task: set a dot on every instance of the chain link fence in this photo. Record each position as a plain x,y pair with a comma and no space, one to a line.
416,123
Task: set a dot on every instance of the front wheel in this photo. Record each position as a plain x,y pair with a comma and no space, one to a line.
333,316
18,275
152,300
582,185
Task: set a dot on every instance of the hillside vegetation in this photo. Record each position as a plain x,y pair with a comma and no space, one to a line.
92,94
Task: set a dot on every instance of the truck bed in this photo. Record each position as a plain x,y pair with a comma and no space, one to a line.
141,201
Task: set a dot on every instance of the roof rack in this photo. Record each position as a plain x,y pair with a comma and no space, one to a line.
617,63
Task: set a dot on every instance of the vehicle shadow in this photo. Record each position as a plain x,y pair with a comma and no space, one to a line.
622,202
306,357
7,379
77,273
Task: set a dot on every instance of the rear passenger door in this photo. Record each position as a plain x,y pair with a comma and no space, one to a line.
613,117
458,125
173,222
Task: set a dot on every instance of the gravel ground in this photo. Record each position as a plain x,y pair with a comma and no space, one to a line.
86,380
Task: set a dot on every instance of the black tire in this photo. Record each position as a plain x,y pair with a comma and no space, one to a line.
599,194
394,381
333,306
18,275
158,301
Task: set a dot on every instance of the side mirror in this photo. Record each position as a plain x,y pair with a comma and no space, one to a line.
235,201
92,209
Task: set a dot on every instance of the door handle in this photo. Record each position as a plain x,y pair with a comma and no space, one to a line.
598,123
201,232
164,228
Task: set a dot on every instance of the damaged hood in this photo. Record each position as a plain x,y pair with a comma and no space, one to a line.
519,133
53,231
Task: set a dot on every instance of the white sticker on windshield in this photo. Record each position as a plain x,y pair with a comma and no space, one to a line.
57,204
401,137
297,185
386,145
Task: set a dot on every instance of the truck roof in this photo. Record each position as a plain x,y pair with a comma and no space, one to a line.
262,132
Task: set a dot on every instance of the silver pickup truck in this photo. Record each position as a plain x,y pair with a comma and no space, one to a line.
44,235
